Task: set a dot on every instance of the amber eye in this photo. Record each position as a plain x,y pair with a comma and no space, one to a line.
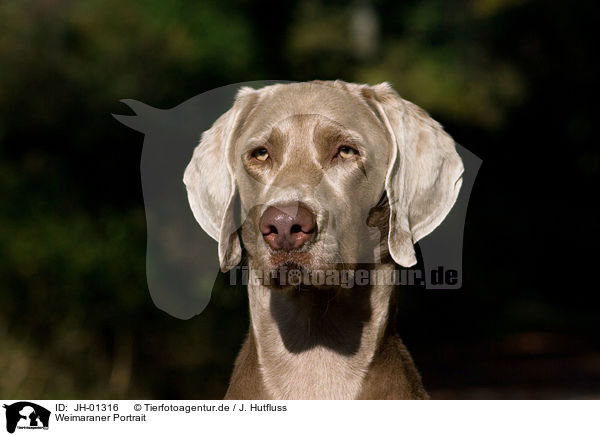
260,154
346,152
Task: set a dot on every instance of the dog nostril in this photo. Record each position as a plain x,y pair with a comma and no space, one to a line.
287,231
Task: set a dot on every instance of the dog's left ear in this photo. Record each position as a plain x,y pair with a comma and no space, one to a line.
424,175
210,183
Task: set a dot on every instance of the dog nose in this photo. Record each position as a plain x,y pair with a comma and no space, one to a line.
287,227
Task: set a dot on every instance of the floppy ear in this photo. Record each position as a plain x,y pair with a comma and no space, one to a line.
210,183
424,175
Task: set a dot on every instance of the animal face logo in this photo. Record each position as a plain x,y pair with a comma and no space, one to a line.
24,414
182,259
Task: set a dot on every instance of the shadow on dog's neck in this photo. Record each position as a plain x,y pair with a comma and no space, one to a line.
334,318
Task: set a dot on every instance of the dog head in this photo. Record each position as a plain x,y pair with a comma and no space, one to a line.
322,174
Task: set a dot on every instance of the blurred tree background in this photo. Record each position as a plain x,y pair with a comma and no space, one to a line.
514,81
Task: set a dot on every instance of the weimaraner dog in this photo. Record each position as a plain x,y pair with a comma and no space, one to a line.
316,179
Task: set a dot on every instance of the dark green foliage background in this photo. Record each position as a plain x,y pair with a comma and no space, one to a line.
512,80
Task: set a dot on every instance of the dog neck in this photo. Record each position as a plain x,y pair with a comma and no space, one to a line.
318,343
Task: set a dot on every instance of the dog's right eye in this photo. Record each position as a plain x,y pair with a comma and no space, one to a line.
260,154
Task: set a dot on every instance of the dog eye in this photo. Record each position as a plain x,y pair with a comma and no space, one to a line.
260,154
346,152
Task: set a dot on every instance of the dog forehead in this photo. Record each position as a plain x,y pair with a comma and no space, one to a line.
287,102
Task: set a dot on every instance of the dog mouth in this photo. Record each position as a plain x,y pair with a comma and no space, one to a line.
299,259
286,274
290,268
294,274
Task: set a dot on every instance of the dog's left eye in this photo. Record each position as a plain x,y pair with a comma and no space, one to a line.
346,152
260,154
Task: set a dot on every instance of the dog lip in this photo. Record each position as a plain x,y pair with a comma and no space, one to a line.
280,257
291,265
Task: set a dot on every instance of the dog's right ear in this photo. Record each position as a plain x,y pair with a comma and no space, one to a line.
210,183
